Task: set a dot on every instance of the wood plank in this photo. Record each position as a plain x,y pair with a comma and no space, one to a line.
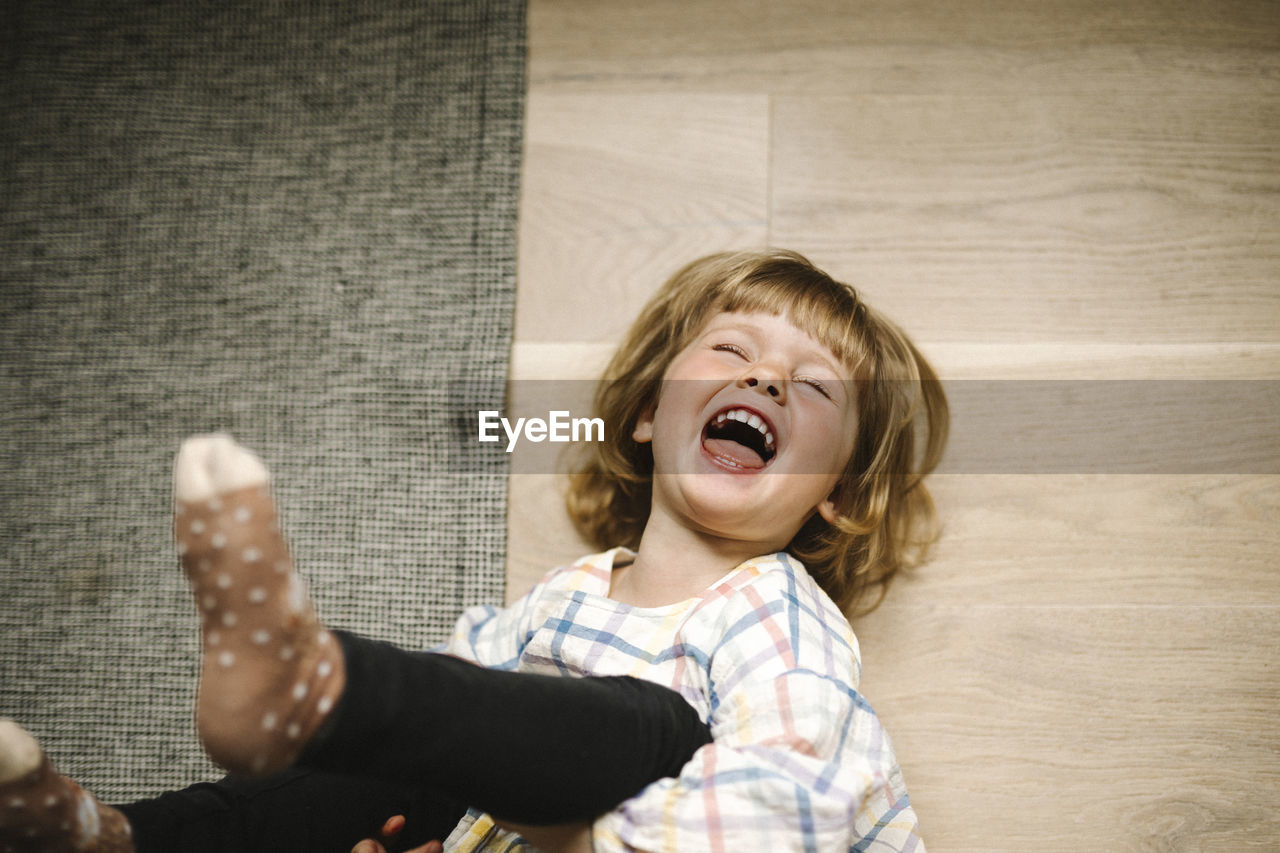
1111,218
539,536
1050,541
1114,360
620,191
982,361
885,47
1082,728
677,27
1103,540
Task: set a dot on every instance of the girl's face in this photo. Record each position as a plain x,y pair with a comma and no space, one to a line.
753,427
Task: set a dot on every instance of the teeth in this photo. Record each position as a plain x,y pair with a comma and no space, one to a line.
751,420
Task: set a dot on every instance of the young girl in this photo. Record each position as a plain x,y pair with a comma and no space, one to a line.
763,472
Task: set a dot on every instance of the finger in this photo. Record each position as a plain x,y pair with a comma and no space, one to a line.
392,827
368,846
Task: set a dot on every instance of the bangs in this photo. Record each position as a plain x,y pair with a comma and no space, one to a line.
823,308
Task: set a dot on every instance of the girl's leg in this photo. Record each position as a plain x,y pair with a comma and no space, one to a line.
531,749
297,811
270,672
41,810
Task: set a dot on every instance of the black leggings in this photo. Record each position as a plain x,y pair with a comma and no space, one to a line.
427,735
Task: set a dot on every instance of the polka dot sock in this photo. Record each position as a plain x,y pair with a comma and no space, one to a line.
271,672
44,812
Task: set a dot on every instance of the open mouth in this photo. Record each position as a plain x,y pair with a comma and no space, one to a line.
740,438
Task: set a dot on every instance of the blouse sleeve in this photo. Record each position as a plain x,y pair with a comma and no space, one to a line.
495,637
799,759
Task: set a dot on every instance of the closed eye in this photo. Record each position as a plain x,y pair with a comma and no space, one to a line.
733,348
815,384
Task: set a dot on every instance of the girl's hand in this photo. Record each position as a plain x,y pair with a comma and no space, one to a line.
390,830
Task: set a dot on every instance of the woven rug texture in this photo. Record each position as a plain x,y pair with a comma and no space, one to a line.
293,221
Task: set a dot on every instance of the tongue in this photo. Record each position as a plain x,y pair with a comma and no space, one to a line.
738,454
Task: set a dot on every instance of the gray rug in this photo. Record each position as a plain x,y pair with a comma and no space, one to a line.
291,220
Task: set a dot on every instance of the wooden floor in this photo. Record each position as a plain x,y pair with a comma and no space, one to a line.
1084,189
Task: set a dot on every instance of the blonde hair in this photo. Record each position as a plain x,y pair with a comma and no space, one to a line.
887,518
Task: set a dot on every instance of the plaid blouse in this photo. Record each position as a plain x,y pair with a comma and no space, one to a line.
800,760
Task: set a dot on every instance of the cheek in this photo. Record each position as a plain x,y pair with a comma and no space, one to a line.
663,432
682,401
833,453
833,432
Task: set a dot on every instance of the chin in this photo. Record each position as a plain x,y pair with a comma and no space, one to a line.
725,512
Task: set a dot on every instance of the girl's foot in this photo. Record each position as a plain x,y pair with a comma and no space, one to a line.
43,812
271,672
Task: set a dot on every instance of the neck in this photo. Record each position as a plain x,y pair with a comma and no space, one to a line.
674,563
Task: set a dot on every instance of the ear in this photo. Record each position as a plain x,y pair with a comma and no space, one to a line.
643,433
827,509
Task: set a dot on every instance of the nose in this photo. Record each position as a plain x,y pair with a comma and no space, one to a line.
775,388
